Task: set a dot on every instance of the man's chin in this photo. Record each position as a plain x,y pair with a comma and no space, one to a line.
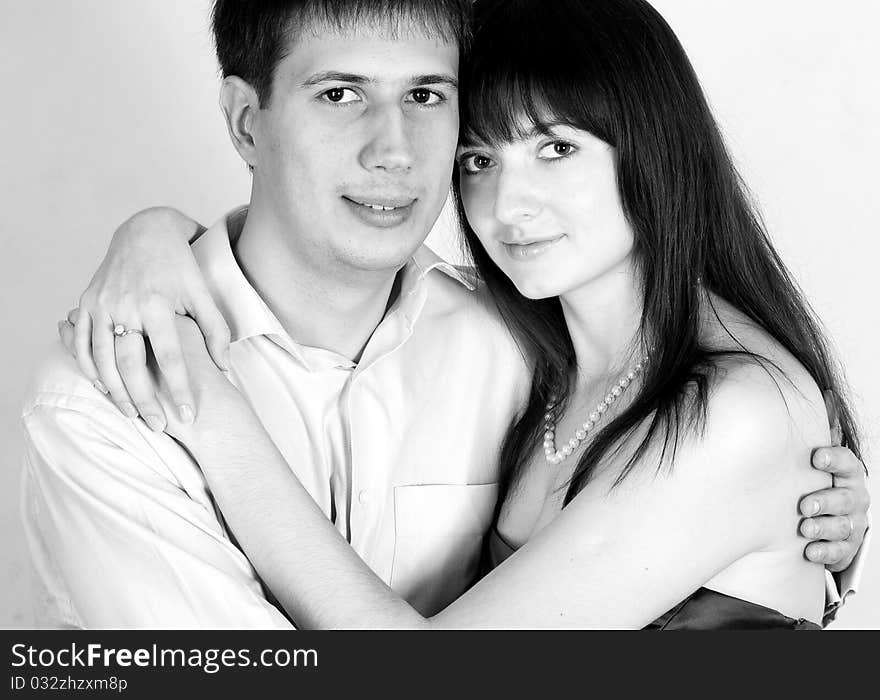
384,249
382,261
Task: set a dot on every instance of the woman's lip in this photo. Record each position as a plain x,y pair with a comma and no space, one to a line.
527,251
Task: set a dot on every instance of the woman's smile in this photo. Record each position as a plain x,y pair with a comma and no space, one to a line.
524,251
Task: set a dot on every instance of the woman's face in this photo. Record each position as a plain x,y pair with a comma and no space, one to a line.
547,209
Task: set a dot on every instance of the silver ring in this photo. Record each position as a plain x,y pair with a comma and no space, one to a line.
120,331
852,527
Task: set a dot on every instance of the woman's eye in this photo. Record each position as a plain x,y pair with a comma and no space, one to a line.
340,95
475,163
557,149
424,96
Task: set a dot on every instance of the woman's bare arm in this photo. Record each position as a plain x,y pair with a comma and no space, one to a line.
606,561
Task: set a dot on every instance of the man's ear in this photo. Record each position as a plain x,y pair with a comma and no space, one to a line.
240,105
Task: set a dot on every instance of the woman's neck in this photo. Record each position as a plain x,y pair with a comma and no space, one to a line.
603,319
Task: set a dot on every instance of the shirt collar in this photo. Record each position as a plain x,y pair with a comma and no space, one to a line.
425,260
244,310
248,315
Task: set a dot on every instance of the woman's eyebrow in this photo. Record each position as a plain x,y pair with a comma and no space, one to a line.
544,128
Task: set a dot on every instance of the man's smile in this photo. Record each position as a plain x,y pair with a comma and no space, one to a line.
382,203
381,211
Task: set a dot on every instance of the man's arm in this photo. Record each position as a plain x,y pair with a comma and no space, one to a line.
839,587
120,537
839,520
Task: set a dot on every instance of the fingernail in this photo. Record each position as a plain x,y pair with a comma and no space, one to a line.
186,414
819,553
812,530
99,385
815,508
826,458
128,409
156,424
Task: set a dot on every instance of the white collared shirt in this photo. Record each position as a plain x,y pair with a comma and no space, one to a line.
400,450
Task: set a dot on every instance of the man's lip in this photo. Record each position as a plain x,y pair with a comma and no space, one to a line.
379,217
386,201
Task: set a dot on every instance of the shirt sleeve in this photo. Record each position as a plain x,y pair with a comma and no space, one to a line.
839,587
120,537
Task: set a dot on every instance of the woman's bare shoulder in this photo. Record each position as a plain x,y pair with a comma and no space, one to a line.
760,392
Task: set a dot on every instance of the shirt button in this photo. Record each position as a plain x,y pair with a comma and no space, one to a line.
364,497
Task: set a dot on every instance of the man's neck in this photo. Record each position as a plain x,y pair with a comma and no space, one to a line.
335,308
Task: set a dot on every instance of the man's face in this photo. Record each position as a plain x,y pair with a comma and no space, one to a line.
356,147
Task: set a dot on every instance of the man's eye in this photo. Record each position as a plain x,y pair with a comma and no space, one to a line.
340,95
424,96
474,163
557,149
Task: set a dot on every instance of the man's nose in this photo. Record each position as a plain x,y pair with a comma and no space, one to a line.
390,146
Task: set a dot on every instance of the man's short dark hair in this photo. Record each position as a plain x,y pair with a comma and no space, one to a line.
253,36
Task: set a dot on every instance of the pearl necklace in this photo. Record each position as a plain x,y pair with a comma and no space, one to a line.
554,456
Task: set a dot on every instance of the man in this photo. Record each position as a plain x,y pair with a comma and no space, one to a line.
349,339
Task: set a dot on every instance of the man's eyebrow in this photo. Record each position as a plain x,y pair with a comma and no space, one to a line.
435,79
332,75
355,79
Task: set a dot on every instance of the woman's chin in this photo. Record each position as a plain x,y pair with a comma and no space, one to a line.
537,289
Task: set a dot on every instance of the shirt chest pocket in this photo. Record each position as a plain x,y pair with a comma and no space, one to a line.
439,531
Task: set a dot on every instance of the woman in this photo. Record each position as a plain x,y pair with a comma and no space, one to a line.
677,371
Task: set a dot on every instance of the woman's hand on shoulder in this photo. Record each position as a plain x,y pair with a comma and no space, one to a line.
148,277
221,406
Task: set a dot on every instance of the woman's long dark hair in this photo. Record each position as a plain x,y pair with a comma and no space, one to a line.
616,69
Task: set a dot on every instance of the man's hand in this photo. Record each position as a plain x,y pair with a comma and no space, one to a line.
148,276
836,517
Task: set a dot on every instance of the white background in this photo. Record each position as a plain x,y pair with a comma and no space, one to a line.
109,106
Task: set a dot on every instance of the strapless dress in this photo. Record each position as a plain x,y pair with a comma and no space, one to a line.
703,610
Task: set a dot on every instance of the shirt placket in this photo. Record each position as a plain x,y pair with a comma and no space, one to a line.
373,454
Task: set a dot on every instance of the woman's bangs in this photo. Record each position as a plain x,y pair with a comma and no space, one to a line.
502,109
516,86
